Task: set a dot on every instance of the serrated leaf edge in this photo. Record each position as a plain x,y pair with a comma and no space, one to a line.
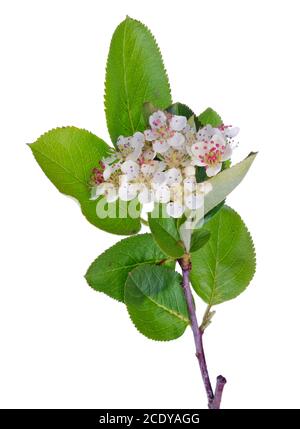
160,55
127,266
254,257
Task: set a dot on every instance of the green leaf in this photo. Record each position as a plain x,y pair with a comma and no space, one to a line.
108,273
223,268
156,303
180,109
213,211
199,238
209,116
67,156
201,175
226,181
165,233
193,122
135,74
120,223
148,110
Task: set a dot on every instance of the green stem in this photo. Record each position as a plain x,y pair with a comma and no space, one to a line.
144,221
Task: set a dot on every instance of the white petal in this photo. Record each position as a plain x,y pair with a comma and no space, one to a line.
157,119
231,132
146,195
111,195
134,156
150,135
198,162
148,169
138,138
177,193
159,178
204,187
205,133
190,184
123,180
120,140
106,189
160,165
218,139
123,143
194,202
212,171
227,152
173,175
148,154
199,149
174,210
130,168
178,123
217,132
162,194
107,172
137,144
189,171
127,192
177,140
161,146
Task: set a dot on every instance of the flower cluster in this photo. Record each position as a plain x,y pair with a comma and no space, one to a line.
159,165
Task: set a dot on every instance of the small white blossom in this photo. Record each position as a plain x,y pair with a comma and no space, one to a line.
131,169
164,132
130,148
211,153
175,209
106,189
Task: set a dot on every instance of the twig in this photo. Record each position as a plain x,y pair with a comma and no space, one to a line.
214,399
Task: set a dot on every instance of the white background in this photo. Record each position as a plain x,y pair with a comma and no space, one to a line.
65,345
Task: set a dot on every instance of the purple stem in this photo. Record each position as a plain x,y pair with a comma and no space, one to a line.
221,381
214,400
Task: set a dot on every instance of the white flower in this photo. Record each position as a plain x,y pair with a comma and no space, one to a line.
175,209
131,147
149,168
173,176
207,132
177,158
106,189
164,132
162,194
146,195
127,191
226,131
131,169
211,153
189,171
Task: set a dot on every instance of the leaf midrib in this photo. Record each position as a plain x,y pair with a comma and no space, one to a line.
168,310
125,78
154,261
